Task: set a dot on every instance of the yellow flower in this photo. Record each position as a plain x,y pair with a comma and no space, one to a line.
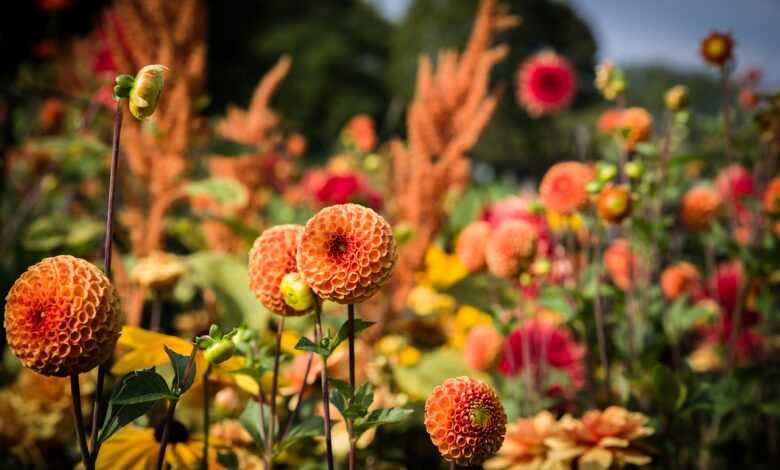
146,350
466,318
289,340
136,448
442,269
409,356
426,301
561,222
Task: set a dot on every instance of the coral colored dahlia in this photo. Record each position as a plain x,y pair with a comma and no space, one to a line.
62,316
524,447
272,257
636,125
564,187
682,278
546,84
511,248
465,420
347,252
700,206
772,196
620,262
470,245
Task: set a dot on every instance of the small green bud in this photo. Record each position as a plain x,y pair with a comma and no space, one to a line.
635,169
403,232
296,293
536,207
541,267
146,91
220,351
215,331
605,172
594,187
124,81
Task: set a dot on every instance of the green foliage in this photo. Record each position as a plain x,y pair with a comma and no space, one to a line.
328,344
419,380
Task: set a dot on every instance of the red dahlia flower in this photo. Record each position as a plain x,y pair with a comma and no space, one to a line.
546,84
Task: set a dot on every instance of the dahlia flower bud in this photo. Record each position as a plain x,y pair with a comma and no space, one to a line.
146,91
635,169
716,48
605,172
676,98
636,125
772,197
470,246
614,204
511,248
220,351
62,316
465,420
296,294
700,206
564,187
610,80
681,278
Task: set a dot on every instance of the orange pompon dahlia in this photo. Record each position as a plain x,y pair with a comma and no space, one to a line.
465,420
772,197
716,48
620,263
682,278
614,203
511,248
564,187
546,84
347,252
601,439
700,206
483,343
62,316
470,246
360,130
271,257
609,120
524,447
636,125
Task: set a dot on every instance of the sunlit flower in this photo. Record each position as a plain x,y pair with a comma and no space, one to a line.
346,253
541,345
360,131
609,120
636,125
620,263
705,358
700,206
682,279
716,48
136,448
735,183
62,316
511,248
273,255
425,300
470,245
602,439
610,80
158,272
613,203
676,98
442,270
524,447
564,187
466,318
546,84
518,208
465,420
483,342
772,197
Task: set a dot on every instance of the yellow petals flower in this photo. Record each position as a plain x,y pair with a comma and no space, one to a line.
442,269
524,447
409,356
425,301
466,318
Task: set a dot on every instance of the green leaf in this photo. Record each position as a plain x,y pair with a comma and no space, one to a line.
669,391
358,407
342,386
183,369
143,386
338,400
555,298
473,290
228,459
119,415
343,333
225,191
250,420
418,380
380,417
311,427
305,344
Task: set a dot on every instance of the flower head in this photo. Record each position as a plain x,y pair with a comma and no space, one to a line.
146,91
735,183
700,206
541,345
360,131
158,272
609,120
620,262
524,447
614,203
564,187
272,257
610,80
511,248
465,420
483,343
772,197
636,125
546,84
676,98
716,48
470,245
347,252
602,439
682,278
62,316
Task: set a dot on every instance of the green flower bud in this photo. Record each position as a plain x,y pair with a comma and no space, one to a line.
146,91
635,169
296,293
594,187
403,232
605,172
220,351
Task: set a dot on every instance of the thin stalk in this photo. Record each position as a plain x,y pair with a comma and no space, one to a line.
78,418
727,142
112,188
599,311
154,321
204,464
165,434
325,390
274,387
352,381
452,465
299,398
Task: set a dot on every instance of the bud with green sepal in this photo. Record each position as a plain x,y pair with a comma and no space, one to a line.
217,347
296,293
146,91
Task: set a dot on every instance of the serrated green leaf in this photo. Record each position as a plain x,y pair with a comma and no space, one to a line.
311,427
250,420
183,369
305,344
141,387
670,392
379,418
343,333
119,415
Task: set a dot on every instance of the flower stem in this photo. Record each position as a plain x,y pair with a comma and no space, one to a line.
154,321
452,465
299,399
599,311
325,389
204,464
166,434
78,418
352,381
274,387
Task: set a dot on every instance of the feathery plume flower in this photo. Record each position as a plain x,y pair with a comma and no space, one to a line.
511,248
465,420
716,49
62,316
347,252
772,197
700,206
470,245
546,84
620,263
610,80
158,272
682,278
601,440
564,187
272,257
483,343
547,346
524,447
613,203
636,125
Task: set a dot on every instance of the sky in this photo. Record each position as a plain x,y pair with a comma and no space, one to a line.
669,31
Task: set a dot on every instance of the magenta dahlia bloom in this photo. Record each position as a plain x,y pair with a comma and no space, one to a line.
735,183
544,346
546,84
